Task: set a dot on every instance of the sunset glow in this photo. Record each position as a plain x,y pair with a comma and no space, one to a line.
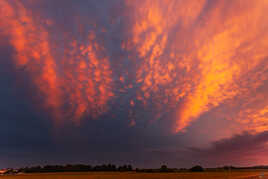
163,71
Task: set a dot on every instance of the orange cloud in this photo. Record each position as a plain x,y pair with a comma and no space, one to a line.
229,53
83,76
189,56
33,51
88,78
195,53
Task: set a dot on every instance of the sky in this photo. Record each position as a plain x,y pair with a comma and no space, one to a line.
144,82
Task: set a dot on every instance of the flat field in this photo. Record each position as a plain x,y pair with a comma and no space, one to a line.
133,175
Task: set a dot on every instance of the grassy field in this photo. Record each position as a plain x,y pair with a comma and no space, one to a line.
130,175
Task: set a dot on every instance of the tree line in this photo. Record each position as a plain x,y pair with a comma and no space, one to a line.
122,168
102,168
76,168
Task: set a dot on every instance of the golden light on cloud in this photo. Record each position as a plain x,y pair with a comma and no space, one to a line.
82,77
188,56
196,54
88,78
33,53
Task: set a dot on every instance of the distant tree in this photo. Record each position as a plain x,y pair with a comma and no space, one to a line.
183,169
164,168
226,168
123,168
75,168
120,168
97,168
197,168
129,168
114,167
104,167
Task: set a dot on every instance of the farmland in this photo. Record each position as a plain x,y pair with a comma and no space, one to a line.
133,175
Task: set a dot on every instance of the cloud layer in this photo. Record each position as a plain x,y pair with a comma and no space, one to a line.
163,71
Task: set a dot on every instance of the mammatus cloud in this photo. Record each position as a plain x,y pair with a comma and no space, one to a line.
33,51
197,55
189,61
189,57
175,65
88,78
80,79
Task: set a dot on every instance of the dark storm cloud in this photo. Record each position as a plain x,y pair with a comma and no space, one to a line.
21,130
68,13
245,147
28,136
240,142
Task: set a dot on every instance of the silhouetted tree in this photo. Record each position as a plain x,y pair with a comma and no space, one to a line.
163,168
129,168
197,168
